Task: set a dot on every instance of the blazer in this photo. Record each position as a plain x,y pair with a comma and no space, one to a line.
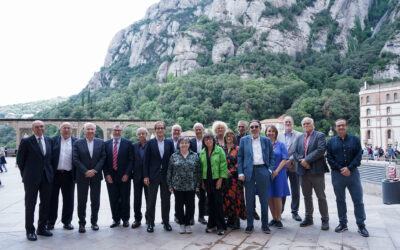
152,160
56,140
245,155
137,170
290,150
315,153
193,145
124,159
32,163
83,162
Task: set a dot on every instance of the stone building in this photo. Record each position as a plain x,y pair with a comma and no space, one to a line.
380,115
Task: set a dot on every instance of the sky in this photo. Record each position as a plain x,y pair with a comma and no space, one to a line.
51,48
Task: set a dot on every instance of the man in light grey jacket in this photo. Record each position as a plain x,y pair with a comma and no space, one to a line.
289,137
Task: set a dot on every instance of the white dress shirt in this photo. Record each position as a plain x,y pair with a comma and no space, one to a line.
43,143
175,144
90,146
257,152
65,159
199,145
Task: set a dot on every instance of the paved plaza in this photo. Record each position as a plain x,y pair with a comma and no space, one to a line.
383,223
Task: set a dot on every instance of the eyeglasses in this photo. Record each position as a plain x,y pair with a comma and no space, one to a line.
254,127
241,126
117,130
160,128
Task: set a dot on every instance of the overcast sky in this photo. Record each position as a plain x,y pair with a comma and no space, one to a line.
51,48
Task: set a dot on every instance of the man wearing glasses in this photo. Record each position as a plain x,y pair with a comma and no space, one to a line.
155,166
255,163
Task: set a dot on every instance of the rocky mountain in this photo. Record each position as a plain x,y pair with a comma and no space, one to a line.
171,36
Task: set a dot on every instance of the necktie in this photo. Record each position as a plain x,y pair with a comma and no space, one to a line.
306,144
115,155
41,145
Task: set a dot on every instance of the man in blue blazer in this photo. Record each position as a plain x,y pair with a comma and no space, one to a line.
137,175
89,157
117,171
34,162
155,166
255,164
64,178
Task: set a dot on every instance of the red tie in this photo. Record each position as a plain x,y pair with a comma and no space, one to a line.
115,155
306,143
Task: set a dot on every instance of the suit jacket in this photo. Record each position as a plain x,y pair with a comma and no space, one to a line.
32,163
193,145
152,159
56,140
291,148
172,140
245,155
124,159
315,153
83,162
137,171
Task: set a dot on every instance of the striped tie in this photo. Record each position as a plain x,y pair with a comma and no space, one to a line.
115,155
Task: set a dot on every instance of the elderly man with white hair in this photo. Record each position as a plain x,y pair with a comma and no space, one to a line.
176,132
88,157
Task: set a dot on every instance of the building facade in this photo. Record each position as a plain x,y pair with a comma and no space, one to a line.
380,115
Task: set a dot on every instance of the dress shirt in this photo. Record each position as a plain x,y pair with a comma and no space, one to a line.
118,143
344,153
257,152
175,144
161,147
199,145
306,141
90,146
43,143
288,138
141,151
65,159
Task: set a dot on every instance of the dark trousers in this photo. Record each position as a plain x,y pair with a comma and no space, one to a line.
62,180
119,194
83,190
309,182
294,190
215,213
161,182
184,206
353,184
31,193
138,189
201,195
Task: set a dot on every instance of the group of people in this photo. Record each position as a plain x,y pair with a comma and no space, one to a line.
378,153
225,170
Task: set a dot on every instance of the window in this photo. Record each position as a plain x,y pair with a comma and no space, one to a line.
389,134
368,134
368,122
389,121
368,99
388,110
387,97
368,112
362,100
396,97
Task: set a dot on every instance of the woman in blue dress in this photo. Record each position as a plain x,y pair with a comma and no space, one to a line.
279,186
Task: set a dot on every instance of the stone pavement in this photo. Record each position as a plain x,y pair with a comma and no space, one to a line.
383,223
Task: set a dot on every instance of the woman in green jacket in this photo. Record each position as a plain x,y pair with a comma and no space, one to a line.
215,168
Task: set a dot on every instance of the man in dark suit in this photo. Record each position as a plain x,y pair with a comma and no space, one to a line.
89,157
117,171
310,154
242,128
64,177
176,132
137,175
196,145
155,166
34,162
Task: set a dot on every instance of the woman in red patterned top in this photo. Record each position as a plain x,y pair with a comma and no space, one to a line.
234,207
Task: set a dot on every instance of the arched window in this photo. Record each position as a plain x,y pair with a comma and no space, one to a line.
368,134
387,97
388,110
396,96
389,121
368,99
368,122
368,112
362,100
389,134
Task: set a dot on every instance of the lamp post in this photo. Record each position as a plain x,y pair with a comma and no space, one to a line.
330,133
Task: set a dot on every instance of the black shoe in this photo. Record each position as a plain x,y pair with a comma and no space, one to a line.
363,231
249,229
95,227
68,226
211,229
325,225
272,223
115,224
256,217
278,224
220,232
50,226
82,228
125,224
44,232
296,217
306,222
266,230
167,227
31,236
191,222
136,224
202,220
236,224
150,229
341,228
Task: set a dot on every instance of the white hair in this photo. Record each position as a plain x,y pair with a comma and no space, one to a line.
288,117
89,124
176,126
217,124
65,123
142,129
307,118
198,124
243,122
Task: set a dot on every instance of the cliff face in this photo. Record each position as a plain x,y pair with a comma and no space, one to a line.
176,37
